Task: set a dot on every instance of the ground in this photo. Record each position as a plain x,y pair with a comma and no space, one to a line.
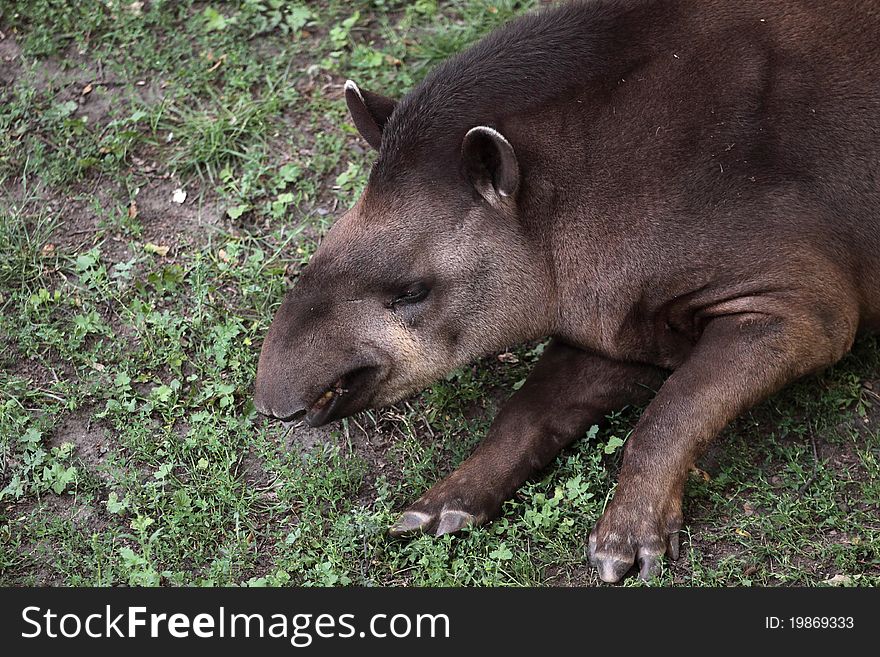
164,168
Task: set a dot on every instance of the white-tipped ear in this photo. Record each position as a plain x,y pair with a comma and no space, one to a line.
350,85
369,112
490,163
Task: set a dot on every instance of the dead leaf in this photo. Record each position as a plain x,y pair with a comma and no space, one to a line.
47,250
133,210
742,532
838,580
179,196
701,473
86,90
149,247
749,509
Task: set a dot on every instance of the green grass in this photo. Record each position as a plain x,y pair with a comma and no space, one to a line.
130,451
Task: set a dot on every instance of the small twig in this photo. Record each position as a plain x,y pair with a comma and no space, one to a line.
808,483
53,396
354,421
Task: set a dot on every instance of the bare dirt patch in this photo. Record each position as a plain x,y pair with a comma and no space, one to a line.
10,59
181,224
91,440
91,213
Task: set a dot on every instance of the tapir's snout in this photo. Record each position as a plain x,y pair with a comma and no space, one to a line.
307,367
269,399
341,395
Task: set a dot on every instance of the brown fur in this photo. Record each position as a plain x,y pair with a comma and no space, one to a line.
684,187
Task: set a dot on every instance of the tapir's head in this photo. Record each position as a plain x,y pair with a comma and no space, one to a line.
430,269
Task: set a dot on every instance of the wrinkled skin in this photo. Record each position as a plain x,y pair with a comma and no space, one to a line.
693,231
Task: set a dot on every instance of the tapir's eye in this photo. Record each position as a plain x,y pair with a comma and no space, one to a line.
411,294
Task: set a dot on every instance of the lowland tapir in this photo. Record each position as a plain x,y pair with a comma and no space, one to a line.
684,196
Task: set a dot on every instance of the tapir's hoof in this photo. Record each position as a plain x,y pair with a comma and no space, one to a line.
449,521
452,521
623,538
410,522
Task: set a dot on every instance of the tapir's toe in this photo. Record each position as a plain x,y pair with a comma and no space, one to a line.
411,522
447,521
611,569
450,506
611,559
650,564
453,520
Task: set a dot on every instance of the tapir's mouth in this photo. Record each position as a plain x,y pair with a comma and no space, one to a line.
338,400
320,411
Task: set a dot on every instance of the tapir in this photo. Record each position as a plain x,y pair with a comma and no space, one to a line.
683,197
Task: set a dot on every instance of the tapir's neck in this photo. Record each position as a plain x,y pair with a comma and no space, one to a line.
538,59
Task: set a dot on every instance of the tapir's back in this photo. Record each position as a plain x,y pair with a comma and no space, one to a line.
825,102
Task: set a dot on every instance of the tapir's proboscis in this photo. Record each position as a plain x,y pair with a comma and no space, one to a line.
683,196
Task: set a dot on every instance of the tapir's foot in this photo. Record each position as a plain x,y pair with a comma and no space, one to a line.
453,504
635,529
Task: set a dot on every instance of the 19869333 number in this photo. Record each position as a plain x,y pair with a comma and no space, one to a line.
810,622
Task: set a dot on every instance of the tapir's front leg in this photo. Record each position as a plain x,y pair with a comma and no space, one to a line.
739,360
568,391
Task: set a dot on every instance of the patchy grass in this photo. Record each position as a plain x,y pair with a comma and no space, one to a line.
130,451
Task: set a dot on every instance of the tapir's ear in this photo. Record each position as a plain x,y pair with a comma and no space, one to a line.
369,112
490,164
